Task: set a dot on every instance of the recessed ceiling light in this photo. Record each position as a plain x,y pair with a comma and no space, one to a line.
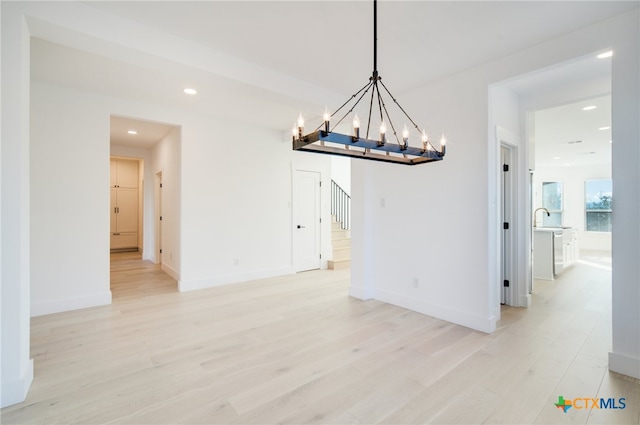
556,157
604,128
589,108
132,132
190,91
605,55
610,141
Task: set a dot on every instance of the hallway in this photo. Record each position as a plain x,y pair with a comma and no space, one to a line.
132,277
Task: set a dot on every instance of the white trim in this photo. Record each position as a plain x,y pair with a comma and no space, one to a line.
69,304
193,285
359,292
518,295
170,271
15,391
459,317
624,365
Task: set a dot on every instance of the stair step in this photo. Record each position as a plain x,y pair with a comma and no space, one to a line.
343,253
336,225
340,234
339,264
341,243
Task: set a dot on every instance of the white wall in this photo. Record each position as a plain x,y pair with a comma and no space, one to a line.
573,179
224,204
69,199
436,225
166,158
625,354
341,172
17,367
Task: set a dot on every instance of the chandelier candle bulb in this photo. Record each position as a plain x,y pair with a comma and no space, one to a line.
383,131
405,138
300,126
443,145
425,140
356,127
326,117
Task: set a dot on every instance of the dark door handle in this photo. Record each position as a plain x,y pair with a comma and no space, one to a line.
300,227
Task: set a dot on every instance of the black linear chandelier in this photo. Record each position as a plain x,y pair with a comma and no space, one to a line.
324,140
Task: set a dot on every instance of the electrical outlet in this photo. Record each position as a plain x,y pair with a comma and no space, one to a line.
415,282
236,261
383,202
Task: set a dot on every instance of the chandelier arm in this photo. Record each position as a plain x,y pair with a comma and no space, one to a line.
405,113
352,108
380,103
384,107
373,92
365,88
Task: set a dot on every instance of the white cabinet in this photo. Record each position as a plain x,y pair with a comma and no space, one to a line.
124,204
554,249
543,254
570,247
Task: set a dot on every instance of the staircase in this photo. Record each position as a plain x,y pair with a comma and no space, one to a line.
340,234
341,243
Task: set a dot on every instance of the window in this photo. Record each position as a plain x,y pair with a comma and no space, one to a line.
598,199
552,200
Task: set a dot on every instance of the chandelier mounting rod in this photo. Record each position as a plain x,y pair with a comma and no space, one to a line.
375,39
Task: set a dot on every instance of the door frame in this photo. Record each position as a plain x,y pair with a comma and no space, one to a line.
519,233
294,244
158,215
508,219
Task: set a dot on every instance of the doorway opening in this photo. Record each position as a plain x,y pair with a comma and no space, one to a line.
564,117
572,180
155,149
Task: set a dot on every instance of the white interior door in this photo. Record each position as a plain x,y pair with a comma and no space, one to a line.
306,220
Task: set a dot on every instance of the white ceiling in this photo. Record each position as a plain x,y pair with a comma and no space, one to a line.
567,135
302,53
148,133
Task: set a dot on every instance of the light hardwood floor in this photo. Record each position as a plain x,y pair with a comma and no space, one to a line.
298,350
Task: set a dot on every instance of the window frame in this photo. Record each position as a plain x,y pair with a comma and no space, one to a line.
553,211
608,211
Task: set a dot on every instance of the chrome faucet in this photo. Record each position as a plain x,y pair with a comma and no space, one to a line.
538,209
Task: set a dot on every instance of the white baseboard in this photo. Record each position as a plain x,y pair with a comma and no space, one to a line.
40,308
171,272
192,285
624,365
15,391
359,292
482,324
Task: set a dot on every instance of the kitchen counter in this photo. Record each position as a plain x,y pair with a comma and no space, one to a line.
554,249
